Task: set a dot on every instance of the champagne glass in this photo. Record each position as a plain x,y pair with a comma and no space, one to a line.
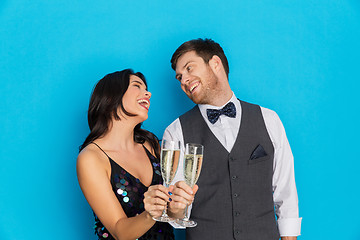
169,161
192,168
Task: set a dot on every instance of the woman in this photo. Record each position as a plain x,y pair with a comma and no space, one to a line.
118,167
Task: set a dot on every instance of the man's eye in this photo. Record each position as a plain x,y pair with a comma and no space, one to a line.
188,68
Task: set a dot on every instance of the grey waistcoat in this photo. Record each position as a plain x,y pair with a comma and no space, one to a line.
235,197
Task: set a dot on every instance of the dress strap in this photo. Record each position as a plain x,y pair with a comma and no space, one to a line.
148,153
101,149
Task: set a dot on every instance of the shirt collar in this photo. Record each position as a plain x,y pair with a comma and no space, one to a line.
203,107
206,106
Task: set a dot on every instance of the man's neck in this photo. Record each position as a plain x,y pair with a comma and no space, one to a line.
222,98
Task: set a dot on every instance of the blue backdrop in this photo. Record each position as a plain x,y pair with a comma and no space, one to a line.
299,58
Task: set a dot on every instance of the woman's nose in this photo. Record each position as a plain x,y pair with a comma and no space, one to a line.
148,94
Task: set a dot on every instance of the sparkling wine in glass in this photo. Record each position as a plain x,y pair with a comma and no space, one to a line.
192,167
169,160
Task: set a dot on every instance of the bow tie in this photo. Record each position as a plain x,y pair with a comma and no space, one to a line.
214,114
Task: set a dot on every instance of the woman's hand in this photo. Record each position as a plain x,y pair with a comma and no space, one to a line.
156,199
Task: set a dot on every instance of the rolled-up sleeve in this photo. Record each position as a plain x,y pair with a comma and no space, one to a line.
284,187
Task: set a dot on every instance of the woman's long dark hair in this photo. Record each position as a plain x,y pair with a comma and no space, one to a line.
105,101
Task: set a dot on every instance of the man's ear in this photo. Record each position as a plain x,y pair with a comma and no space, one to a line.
215,64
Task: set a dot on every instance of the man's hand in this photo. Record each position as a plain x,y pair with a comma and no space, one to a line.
182,195
288,238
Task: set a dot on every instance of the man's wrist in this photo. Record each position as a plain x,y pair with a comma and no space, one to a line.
176,213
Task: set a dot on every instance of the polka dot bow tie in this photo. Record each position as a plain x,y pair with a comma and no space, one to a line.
214,114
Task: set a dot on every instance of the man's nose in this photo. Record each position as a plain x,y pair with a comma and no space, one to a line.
185,79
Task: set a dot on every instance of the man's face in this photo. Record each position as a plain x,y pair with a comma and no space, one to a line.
197,78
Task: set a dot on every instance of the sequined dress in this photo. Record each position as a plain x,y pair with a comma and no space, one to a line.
130,193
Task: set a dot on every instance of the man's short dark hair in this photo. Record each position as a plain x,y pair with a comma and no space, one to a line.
204,48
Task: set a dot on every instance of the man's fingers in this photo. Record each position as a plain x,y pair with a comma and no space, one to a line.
195,188
182,185
185,198
171,188
183,194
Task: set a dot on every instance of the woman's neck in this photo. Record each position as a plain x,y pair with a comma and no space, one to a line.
119,137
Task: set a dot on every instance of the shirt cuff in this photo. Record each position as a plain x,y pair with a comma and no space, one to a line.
289,226
178,226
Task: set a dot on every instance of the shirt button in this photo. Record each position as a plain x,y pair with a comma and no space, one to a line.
237,214
237,232
233,177
232,159
235,195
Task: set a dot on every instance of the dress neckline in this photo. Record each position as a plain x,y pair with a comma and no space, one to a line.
148,153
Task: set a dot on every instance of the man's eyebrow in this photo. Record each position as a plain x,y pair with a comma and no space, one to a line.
186,64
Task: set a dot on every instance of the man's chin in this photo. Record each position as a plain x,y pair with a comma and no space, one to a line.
194,99
197,100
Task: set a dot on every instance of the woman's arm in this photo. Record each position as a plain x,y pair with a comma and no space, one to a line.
93,174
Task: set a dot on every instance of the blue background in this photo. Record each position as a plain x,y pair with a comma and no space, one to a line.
299,58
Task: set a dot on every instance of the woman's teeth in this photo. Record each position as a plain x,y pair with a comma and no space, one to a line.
144,103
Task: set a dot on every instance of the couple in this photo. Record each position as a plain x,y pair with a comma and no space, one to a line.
247,171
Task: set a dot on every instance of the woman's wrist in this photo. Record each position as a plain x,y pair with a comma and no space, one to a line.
148,216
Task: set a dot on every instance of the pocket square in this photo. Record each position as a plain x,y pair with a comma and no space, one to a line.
258,152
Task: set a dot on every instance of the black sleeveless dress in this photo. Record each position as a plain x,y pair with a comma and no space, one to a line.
130,193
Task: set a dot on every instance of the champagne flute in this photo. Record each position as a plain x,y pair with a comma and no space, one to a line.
192,168
169,161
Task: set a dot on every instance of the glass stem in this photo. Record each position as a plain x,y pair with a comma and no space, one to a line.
164,213
186,218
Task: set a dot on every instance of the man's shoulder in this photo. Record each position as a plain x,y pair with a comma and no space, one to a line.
173,124
267,113
190,112
176,124
264,110
248,105
191,117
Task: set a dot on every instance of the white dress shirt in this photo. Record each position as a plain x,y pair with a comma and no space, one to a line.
284,188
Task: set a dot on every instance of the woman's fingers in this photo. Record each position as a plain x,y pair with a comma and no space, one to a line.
156,199
158,191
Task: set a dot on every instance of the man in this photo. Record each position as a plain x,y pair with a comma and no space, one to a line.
248,168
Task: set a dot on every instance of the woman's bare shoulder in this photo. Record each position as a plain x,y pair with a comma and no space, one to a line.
91,157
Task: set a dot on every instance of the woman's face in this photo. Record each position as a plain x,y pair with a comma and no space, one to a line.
136,99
